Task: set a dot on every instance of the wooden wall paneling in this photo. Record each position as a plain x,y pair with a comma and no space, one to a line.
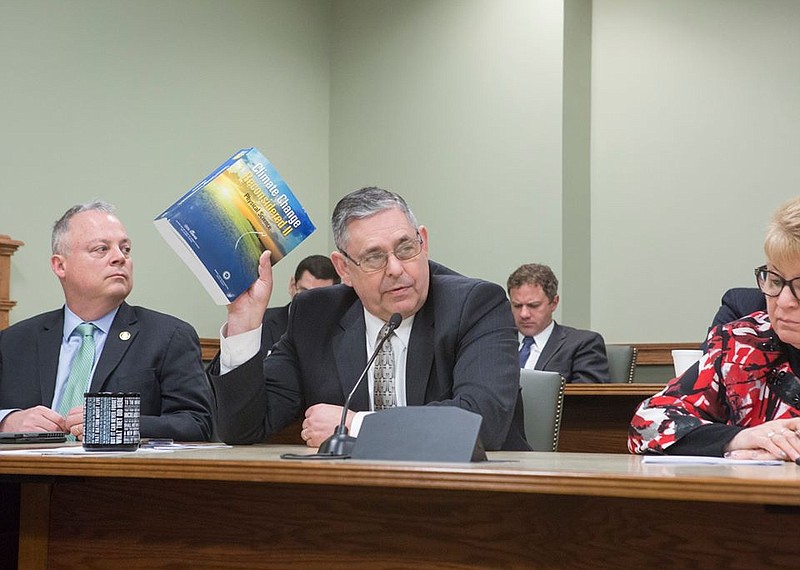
7,248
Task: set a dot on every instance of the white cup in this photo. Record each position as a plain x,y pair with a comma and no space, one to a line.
683,359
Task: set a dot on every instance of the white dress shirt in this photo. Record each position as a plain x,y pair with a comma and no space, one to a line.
539,340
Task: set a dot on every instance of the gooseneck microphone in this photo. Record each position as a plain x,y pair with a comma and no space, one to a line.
340,443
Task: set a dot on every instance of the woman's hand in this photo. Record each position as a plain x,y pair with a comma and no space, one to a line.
777,439
247,311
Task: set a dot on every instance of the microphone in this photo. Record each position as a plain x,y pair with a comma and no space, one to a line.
340,443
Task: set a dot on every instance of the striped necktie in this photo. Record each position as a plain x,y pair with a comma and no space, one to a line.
383,374
78,380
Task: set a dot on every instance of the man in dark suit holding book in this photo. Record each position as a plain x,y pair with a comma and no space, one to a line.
312,272
456,345
126,348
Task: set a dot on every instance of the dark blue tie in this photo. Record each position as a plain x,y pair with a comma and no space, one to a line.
525,351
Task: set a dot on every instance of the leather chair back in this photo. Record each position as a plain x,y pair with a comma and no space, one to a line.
543,401
621,362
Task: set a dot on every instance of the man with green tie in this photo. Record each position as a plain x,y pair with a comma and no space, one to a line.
98,343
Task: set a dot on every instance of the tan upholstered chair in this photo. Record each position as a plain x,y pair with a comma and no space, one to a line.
543,400
621,362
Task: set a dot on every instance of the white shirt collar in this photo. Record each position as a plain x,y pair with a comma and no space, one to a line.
541,338
71,320
374,326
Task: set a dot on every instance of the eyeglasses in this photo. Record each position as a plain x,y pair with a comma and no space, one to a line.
771,284
374,261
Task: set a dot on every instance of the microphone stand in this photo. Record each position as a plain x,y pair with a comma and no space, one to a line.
340,443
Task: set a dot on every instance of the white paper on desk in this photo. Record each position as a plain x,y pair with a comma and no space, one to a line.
706,460
70,450
79,450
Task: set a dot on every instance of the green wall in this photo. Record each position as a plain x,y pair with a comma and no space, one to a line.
457,106
636,146
695,140
136,101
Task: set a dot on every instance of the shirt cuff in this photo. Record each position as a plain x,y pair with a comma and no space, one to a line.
355,425
237,349
4,413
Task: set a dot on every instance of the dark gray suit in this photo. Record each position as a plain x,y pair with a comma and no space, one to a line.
160,360
462,352
578,355
275,322
737,303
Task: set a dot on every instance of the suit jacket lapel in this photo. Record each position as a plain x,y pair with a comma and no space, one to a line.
350,342
419,359
49,351
117,344
557,338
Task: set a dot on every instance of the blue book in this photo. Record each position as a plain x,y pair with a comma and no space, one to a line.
221,226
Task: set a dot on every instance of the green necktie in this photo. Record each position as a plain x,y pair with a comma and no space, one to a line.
82,362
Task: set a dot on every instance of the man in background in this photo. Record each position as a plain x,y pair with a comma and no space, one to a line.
312,272
98,343
578,355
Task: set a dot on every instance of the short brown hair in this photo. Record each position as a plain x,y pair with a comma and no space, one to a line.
534,274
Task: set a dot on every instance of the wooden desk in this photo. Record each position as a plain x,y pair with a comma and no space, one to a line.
595,418
245,507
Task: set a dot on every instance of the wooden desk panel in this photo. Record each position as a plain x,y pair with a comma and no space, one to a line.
9,524
213,524
244,507
595,418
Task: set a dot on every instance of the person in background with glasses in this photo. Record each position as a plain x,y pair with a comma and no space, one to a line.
456,344
742,400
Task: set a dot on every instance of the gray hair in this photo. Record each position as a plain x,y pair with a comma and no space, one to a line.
61,227
362,204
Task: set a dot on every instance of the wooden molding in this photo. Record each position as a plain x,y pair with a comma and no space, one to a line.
209,347
7,248
660,353
621,389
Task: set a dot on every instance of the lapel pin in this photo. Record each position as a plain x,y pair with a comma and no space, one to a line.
124,335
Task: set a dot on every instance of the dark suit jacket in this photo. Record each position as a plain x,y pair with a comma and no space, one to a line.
737,303
161,360
578,355
275,322
462,352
